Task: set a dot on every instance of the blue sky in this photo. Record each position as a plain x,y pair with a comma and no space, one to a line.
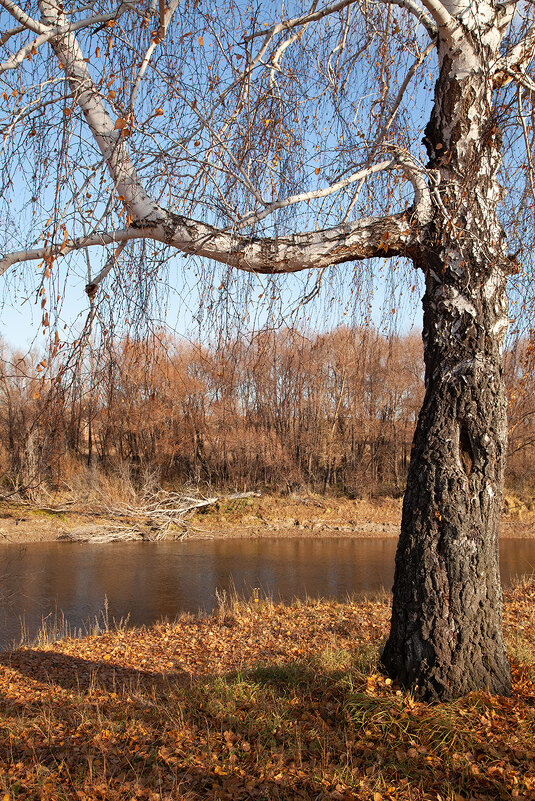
21,314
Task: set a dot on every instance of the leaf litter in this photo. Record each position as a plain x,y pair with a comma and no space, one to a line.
258,701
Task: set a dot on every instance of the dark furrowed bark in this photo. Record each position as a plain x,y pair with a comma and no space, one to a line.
446,624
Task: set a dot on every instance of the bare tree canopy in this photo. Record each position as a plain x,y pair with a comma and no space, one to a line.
202,134
274,140
220,136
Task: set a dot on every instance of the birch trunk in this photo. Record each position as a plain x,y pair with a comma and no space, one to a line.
446,620
445,637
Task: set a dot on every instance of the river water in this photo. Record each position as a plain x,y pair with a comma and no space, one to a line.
149,581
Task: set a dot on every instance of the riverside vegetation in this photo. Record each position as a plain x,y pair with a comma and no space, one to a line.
258,701
108,446
285,411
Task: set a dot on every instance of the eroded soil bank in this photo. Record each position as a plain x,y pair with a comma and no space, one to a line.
264,516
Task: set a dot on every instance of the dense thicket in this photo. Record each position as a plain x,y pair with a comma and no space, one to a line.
282,410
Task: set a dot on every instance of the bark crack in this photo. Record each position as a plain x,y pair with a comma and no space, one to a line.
466,451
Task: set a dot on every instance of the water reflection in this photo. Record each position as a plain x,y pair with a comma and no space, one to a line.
150,581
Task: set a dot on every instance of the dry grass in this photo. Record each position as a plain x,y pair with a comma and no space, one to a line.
111,506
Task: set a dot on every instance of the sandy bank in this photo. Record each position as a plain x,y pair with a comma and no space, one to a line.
266,516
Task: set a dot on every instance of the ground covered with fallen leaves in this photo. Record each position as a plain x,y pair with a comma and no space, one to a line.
258,701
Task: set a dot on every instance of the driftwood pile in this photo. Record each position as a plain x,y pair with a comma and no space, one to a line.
150,521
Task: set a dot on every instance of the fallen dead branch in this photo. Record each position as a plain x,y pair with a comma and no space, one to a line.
103,534
160,513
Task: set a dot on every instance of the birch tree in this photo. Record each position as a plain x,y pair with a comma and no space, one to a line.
276,139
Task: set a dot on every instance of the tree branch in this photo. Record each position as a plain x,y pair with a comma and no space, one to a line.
17,58
25,20
417,12
165,19
313,16
507,76
255,217
512,65
108,138
6,36
378,143
50,252
366,238
449,29
92,286
440,14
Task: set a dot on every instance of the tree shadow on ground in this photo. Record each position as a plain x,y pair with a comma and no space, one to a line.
274,731
76,673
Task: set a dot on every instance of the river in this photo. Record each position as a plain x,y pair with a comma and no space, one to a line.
149,581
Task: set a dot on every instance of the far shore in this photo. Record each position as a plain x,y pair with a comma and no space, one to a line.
265,516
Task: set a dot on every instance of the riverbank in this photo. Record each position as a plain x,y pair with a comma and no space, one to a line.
258,701
263,516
